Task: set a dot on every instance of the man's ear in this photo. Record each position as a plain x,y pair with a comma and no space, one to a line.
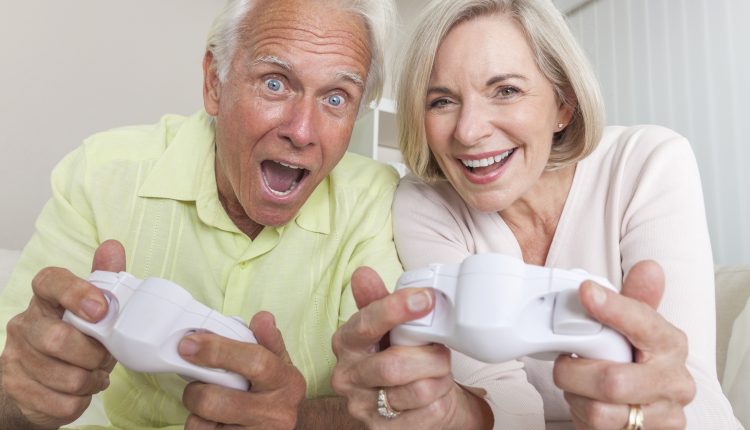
211,85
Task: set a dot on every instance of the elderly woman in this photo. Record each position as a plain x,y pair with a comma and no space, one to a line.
501,123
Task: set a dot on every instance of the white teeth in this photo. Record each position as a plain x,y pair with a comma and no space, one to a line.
484,162
289,165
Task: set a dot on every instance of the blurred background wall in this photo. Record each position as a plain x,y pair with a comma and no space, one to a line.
71,68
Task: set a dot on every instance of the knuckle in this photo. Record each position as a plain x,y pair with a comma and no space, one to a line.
389,371
614,384
424,389
595,414
70,408
42,277
55,339
687,389
442,407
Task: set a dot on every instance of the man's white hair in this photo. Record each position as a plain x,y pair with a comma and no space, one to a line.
378,15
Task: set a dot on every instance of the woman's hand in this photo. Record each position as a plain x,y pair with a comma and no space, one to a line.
600,393
417,381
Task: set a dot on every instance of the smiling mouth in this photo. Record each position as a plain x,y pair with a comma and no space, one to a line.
487,164
282,178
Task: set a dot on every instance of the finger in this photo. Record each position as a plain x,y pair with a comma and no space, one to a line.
218,404
367,286
371,323
55,338
56,289
40,404
418,394
402,365
623,383
645,328
645,283
602,415
263,325
109,256
194,422
266,370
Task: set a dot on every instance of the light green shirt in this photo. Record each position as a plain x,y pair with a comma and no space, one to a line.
153,188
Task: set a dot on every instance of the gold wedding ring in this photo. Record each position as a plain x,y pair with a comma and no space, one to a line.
384,409
635,418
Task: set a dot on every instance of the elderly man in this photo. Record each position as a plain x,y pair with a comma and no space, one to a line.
252,206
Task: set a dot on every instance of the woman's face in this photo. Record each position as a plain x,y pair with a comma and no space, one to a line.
490,112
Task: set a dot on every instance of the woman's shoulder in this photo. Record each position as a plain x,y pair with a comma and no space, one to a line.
641,139
414,192
640,145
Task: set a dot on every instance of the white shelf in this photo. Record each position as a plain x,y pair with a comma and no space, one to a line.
375,134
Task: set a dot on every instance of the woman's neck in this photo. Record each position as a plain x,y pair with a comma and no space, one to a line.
533,218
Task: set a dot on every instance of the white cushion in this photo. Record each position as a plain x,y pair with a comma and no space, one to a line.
736,380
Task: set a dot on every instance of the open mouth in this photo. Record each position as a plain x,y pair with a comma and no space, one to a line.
282,178
488,164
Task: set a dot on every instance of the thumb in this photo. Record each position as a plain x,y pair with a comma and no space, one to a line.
109,256
263,325
367,286
645,283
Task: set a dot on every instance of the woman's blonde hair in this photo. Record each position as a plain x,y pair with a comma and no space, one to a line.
557,54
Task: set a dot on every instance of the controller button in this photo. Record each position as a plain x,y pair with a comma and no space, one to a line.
569,317
414,276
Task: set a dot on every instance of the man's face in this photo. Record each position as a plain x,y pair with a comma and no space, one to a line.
285,113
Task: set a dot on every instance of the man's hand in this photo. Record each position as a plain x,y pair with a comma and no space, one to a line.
277,386
50,370
417,380
600,392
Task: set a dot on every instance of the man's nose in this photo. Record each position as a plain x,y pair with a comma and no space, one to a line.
299,126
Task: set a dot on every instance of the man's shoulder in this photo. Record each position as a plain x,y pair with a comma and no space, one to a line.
136,142
359,174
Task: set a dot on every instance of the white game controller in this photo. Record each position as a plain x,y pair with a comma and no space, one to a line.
496,308
146,320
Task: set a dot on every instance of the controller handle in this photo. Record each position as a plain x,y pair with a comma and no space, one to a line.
147,319
496,308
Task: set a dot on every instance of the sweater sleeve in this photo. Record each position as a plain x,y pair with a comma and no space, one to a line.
664,220
429,229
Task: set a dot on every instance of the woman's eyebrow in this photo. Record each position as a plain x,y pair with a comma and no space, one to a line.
504,77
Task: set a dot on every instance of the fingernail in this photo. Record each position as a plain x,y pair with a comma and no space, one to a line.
418,301
92,308
187,347
598,295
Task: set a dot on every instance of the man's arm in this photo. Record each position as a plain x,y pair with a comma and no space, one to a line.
326,413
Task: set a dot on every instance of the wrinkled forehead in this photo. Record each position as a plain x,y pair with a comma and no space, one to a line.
318,26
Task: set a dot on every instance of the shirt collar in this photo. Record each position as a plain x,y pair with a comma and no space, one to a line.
185,172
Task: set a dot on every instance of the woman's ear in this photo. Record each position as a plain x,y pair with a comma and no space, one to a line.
211,85
565,110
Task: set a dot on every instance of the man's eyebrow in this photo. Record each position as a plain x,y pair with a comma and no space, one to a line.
355,78
273,60
504,77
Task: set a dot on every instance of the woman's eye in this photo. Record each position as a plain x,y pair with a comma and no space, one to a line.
335,100
439,103
506,92
274,85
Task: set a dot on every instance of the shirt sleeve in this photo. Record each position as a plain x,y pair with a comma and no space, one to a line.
665,221
65,237
428,230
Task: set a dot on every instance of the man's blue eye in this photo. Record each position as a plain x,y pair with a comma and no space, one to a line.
273,84
335,100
